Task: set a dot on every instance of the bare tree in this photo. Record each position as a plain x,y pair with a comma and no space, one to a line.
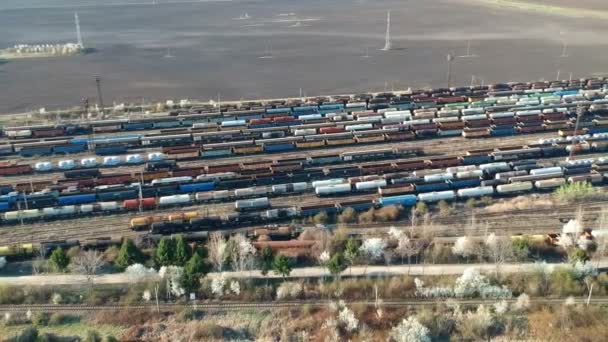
39,262
87,263
499,249
243,253
218,250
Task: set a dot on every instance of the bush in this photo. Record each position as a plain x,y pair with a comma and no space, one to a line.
575,191
72,252
320,218
57,319
208,330
40,319
92,336
444,208
471,203
348,215
29,334
421,208
186,314
368,216
11,295
387,214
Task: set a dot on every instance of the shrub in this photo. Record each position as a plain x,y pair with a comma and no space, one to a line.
186,314
320,218
387,214
73,251
208,330
92,336
444,208
471,203
348,215
421,208
57,319
575,191
40,319
28,334
368,216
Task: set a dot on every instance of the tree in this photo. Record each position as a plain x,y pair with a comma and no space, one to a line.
266,260
410,330
59,260
195,268
348,215
337,264
242,253
182,251
218,250
165,252
373,248
88,263
577,255
499,248
464,247
128,255
521,247
351,251
281,265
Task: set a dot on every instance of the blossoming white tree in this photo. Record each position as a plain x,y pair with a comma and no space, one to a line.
218,253
172,275
410,330
139,272
464,247
373,248
217,285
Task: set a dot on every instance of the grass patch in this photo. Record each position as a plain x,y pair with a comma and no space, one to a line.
69,329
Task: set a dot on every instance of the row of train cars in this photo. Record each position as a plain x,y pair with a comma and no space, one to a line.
498,94
428,185
275,129
237,142
115,186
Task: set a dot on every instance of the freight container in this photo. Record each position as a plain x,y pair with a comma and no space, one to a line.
146,203
403,200
546,170
252,204
464,183
174,199
549,184
196,187
117,195
514,187
76,199
476,192
335,189
436,196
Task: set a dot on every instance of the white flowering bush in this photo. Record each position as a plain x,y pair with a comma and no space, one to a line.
147,295
470,284
348,319
217,285
235,287
373,248
2,262
464,247
522,302
138,272
410,330
324,258
501,307
57,298
395,233
289,290
580,270
569,301
173,276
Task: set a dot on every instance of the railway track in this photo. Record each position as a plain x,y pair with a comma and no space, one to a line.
236,306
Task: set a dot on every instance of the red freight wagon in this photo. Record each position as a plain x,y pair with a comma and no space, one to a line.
149,202
15,170
329,130
41,133
114,179
284,119
223,168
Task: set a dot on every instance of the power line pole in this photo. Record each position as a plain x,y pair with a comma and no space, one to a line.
449,58
99,96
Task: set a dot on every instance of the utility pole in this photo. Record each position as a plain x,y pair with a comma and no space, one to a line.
387,39
99,96
449,58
